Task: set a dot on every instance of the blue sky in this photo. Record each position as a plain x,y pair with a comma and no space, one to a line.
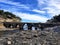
32,10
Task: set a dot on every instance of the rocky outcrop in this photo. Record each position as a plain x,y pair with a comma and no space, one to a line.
55,28
31,37
1,25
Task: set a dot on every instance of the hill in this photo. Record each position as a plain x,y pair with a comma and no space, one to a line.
55,19
8,17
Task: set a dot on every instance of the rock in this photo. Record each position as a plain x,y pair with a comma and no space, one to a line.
32,37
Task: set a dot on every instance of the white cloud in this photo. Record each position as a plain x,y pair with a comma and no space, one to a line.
15,3
32,17
53,6
52,11
41,2
38,11
27,16
54,3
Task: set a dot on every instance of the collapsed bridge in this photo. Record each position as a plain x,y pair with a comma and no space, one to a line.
21,25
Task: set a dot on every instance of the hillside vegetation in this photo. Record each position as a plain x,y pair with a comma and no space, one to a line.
8,16
55,19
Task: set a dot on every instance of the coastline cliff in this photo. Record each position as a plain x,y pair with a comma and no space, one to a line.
8,17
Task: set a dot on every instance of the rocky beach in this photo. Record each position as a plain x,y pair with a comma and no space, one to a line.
49,36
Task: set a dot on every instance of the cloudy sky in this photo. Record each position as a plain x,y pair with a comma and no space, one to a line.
32,10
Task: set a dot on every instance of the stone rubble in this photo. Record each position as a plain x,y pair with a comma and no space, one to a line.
32,37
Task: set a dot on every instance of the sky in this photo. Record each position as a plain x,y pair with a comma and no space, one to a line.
32,10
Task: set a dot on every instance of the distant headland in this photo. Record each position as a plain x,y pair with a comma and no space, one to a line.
8,17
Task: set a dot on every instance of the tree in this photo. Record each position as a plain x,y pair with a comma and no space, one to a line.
1,12
18,18
9,15
55,19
